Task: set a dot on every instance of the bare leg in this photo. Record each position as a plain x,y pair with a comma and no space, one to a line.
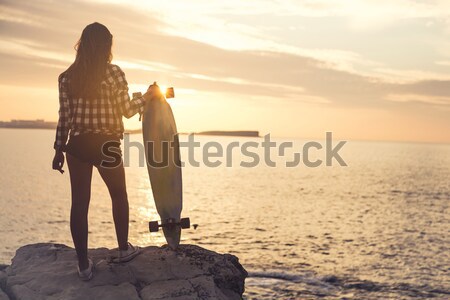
80,182
115,181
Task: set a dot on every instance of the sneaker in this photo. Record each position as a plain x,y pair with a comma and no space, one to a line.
126,255
88,273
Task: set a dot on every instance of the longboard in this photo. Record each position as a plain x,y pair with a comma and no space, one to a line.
162,153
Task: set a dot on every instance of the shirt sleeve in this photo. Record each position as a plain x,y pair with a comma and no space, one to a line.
62,130
127,107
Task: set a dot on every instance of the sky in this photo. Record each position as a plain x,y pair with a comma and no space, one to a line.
362,69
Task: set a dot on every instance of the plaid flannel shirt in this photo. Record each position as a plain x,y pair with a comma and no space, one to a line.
101,115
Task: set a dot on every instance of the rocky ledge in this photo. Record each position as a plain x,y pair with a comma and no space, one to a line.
48,271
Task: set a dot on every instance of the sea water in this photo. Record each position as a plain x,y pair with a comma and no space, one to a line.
377,228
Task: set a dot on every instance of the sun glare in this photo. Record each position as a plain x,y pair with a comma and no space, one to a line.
163,89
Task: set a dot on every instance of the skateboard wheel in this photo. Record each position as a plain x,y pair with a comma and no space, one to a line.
185,223
153,226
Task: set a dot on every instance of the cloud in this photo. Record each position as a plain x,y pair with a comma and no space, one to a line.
443,63
436,100
33,52
262,26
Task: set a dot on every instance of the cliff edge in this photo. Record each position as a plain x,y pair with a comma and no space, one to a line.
48,271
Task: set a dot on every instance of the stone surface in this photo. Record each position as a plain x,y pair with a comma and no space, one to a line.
3,296
2,280
3,277
48,271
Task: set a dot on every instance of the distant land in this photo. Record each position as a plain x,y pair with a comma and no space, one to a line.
41,124
30,124
248,133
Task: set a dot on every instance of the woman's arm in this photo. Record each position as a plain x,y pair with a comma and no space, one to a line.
62,130
127,107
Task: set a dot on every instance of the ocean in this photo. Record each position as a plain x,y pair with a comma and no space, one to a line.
378,228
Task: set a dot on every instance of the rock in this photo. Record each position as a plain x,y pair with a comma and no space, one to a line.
3,296
3,277
48,271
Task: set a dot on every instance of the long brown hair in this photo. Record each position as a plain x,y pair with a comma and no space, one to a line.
89,68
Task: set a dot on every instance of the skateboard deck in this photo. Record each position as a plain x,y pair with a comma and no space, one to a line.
162,153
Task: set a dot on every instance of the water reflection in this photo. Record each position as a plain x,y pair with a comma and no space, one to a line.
375,229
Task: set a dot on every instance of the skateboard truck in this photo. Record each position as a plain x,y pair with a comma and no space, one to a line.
184,223
170,93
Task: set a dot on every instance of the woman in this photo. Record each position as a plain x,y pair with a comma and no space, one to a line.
93,97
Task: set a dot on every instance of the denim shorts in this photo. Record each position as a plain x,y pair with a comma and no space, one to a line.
95,148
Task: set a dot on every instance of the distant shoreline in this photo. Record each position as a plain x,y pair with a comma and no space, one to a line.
28,124
248,133
245,133
41,124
